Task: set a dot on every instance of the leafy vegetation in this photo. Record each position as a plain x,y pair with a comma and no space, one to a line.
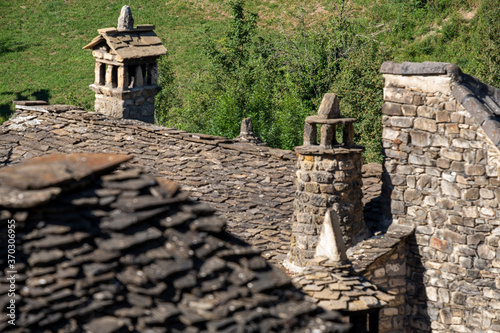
269,60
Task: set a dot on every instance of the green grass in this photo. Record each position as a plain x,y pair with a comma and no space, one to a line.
41,41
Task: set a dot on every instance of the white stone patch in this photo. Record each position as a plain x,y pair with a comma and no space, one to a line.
21,123
427,83
330,242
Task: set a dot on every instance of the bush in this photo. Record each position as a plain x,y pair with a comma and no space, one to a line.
278,81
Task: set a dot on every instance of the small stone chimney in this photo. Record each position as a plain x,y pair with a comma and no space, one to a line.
328,179
126,71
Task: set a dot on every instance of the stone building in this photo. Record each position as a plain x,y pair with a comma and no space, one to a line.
441,142
103,248
126,69
437,249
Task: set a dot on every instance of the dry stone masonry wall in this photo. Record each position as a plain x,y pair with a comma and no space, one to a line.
440,140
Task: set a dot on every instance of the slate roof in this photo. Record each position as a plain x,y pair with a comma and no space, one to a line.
129,44
113,251
251,186
334,286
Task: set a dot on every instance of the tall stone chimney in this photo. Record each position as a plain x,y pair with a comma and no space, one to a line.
328,178
126,71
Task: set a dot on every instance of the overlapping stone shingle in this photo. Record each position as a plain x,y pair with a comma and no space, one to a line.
176,271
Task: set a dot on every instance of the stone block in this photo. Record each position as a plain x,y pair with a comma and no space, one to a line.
485,252
439,141
471,194
441,245
413,196
487,212
397,207
417,213
492,129
454,237
435,83
326,188
452,129
395,269
311,187
426,112
409,110
420,160
420,138
402,122
450,106
467,134
461,143
458,298
452,155
392,109
395,154
424,124
474,170
329,107
443,163
442,117
444,295
398,95
457,167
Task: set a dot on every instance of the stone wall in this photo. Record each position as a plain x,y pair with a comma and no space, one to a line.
440,140
384,261
325,182
136,103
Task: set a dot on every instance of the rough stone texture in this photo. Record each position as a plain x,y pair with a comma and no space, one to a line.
124,251
442,174
251,186
126,73
247,134
386,261
334,286
125,21
328,178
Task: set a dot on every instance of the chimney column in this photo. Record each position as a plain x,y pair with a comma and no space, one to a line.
328,179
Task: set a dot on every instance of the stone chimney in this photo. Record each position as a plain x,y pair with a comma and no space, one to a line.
328,181
126,71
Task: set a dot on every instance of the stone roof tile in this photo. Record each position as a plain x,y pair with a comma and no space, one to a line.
177,270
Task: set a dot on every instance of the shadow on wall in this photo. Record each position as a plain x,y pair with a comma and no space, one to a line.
7,109
417,317
417,313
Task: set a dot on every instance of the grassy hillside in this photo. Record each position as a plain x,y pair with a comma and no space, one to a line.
41,41
41,55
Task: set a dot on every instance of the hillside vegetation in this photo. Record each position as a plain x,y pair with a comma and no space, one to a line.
271,60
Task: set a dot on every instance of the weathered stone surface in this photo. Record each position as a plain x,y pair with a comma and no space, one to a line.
445,189
392,109
125,21
138,277
329,107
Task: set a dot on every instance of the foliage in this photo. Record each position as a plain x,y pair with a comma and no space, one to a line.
277,81
274,69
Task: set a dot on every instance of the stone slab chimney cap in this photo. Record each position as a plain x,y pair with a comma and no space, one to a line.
125,21
329,107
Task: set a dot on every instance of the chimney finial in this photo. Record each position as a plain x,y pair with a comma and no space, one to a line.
126,21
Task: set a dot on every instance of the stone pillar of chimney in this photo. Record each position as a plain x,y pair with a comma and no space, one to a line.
328,178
